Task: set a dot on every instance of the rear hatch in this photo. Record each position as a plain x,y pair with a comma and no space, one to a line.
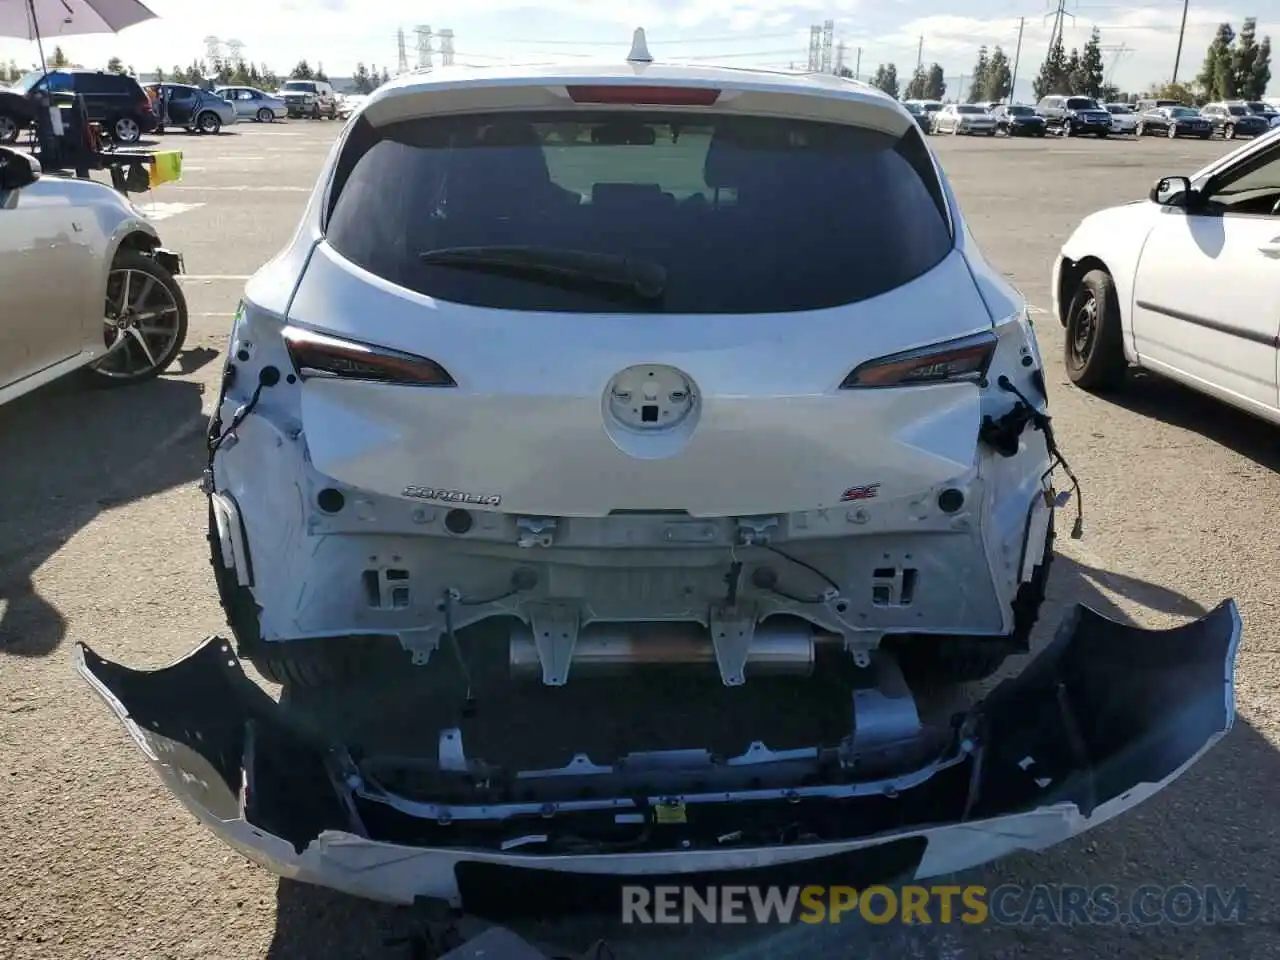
640,306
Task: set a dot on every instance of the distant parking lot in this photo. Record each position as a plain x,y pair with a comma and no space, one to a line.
102,540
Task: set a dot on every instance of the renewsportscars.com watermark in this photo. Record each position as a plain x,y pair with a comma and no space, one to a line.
1008,905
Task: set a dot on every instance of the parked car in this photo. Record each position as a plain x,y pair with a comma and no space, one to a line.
1174,122
1234,118
191,108
1142,106
930,108
1262,109
1181,284
918,115
1124,118
964,118
1018,120
250,103
16,114
1074,116
114,100
312,99
668,288
349,103
87,285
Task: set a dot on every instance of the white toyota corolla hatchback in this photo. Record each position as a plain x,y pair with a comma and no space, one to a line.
635,423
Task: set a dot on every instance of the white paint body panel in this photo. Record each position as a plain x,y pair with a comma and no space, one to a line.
1208,267
775,436
58,237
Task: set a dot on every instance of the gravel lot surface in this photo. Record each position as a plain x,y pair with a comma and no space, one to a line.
102,540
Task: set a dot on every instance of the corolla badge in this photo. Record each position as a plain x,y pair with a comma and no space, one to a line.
451,496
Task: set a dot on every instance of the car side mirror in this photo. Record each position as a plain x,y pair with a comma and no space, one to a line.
17,170
1171,191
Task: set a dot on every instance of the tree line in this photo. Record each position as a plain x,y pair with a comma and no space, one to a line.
1237,66
223,71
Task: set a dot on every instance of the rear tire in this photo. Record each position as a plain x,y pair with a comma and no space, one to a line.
945,659
9,128
209,123
1094,351
265,115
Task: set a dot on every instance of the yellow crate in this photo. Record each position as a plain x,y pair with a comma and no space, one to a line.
165,167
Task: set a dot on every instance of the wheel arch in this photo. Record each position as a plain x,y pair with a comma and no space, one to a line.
1072,272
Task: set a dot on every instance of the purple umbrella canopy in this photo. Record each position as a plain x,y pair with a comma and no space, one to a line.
49,19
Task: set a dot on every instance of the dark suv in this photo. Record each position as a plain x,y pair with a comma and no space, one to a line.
114,100
1073,116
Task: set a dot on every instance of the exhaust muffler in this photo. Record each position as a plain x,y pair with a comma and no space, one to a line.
780,647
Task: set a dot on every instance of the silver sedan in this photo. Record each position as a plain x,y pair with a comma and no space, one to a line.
250,103
967,118
86,283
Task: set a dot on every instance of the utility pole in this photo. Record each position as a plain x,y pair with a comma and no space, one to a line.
857,65
920,54
840,49
1017,55
1177,57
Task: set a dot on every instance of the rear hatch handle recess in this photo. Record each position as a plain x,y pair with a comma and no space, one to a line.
1104,716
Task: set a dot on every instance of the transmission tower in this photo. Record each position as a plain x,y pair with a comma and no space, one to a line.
828,37
446,48
213,48
424,35
815,48
402,63
236,49
1055,35
1118,51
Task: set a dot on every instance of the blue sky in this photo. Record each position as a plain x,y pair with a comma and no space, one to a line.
339,33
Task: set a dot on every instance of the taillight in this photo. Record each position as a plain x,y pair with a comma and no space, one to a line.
625,93
317,355
963,360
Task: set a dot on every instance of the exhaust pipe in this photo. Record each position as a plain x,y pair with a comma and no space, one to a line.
780,647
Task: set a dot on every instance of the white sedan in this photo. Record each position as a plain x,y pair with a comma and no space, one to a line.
1124,118
966,118
1183,283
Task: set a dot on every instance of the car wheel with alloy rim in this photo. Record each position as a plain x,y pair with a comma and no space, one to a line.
144,321
126,130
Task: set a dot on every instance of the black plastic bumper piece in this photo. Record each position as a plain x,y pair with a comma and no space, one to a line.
1105,716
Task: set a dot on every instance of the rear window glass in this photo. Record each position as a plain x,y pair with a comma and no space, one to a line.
741,214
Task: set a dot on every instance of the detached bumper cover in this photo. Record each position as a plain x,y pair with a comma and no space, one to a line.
1104,717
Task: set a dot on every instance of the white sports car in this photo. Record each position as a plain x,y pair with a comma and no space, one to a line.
690,374
85,286
1180,283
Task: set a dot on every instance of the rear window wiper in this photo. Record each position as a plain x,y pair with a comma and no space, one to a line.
571,269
